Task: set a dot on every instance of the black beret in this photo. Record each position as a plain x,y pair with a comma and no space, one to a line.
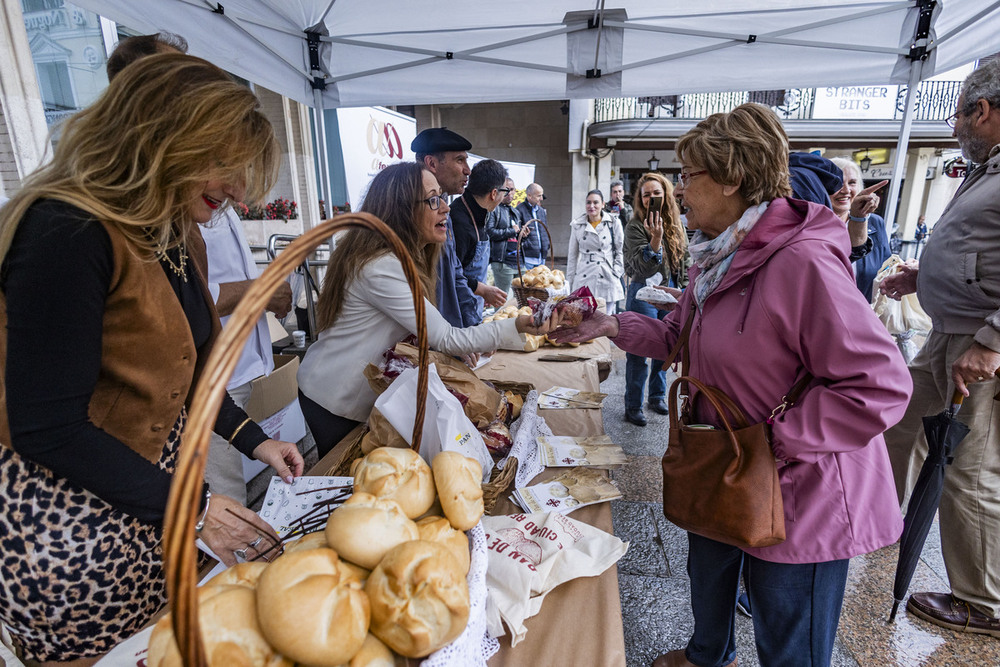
439,140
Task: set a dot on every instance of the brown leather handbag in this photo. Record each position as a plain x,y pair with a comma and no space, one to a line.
722,483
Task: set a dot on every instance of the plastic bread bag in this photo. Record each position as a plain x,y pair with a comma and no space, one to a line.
904,315
575,308
446,427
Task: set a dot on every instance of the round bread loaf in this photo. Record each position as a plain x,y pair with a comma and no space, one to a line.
397,474
315,540
438,529
459,488
310,610
373,653
365,527
241,574
229,629
419,598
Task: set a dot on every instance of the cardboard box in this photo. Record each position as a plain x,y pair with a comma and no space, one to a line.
274,404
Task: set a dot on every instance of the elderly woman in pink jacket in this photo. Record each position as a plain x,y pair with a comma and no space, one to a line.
774,299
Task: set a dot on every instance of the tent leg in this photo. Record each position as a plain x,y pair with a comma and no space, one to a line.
321,154
916,68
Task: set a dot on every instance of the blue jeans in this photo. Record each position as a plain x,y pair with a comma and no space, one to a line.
636,367
796,606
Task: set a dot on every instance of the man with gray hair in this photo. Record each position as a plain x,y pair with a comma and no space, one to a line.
958,282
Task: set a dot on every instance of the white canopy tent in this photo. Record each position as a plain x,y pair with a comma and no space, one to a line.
336,53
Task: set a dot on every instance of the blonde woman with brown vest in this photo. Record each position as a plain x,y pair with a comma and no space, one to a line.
106,322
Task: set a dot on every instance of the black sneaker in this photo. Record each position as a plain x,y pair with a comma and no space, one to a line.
635,416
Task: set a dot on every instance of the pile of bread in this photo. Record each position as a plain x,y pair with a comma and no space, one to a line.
533,342
541,277
387,574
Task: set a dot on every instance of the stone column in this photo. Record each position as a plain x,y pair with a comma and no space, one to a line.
24,134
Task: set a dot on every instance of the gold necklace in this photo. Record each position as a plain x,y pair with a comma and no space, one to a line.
179,268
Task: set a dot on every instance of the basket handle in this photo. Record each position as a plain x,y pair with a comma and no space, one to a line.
717,398
517,255
180,555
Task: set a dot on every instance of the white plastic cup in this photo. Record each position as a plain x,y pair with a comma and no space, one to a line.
299,338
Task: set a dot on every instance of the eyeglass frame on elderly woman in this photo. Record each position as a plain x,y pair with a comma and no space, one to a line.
686,176
434,201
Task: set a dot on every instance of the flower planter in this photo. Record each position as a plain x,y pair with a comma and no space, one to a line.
259,231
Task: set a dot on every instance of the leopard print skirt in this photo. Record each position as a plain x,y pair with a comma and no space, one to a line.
77,575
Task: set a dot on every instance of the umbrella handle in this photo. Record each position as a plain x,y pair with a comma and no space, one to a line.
956,402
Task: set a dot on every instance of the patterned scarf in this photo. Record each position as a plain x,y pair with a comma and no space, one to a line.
714,256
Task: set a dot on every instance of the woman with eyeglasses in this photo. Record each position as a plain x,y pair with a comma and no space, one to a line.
595,252
655,254
855,205
772,302
366,306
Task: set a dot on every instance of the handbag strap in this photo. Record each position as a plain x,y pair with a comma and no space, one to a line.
791,398
713,396
681,346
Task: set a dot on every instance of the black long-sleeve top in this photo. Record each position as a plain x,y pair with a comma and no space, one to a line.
469,223
56,278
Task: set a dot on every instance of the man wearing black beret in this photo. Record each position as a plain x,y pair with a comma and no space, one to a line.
445,154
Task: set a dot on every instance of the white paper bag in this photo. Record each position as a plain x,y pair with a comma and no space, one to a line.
529,555
446,427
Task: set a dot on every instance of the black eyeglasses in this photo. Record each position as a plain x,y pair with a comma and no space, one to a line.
435,201
506,191
951,120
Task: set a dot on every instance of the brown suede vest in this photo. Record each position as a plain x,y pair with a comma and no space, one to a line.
149,364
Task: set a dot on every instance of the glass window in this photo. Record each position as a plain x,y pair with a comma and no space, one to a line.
57,91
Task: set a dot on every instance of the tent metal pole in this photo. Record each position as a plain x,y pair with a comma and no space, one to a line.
321,153
918,54
913,85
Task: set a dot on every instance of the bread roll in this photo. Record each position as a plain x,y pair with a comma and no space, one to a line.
419,598
315,540
373,653
438,529
396,474
516,403
241,574
459,489
229,629
311,612
365,527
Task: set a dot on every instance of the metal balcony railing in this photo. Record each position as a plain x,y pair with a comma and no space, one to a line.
935,100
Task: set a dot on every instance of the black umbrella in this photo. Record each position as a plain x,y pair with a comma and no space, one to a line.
944,432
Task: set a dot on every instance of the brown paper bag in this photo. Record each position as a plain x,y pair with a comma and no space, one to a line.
381,434
484,401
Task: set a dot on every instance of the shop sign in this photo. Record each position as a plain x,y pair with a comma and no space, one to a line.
855,102
54,18
372,138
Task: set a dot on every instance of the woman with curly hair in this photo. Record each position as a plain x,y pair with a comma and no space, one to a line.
655,254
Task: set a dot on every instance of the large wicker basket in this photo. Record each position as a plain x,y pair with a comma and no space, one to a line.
522,293
180,556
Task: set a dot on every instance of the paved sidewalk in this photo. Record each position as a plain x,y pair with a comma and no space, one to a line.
655,591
